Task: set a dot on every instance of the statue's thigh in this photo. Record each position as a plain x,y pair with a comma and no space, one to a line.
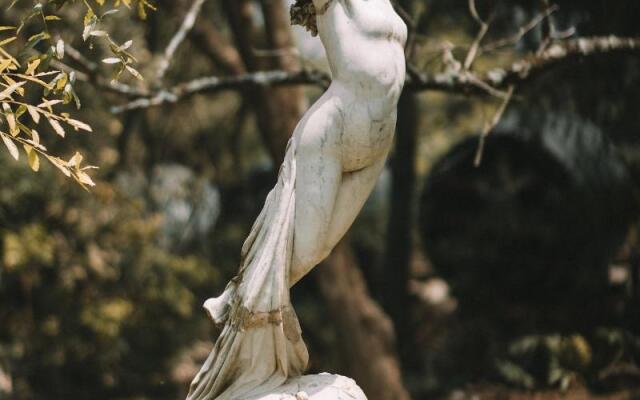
318,176
355,188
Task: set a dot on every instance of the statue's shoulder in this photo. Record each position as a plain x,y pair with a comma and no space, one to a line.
316,387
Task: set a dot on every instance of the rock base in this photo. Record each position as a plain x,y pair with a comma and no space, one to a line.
316,387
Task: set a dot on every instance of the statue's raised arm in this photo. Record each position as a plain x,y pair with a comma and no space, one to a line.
332,163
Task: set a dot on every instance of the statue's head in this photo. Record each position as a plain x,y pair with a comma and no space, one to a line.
303,13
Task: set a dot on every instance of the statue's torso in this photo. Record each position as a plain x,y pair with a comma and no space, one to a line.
364,41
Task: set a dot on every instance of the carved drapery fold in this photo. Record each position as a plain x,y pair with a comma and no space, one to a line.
260,345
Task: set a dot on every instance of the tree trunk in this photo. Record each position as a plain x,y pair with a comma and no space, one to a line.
278,109
401,216
367,335
289,103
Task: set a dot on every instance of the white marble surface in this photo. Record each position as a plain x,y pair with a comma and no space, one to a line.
316,387
343,140
332,163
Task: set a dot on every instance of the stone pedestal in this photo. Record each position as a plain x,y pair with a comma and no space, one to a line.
316,387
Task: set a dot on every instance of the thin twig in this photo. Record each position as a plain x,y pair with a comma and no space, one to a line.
521,32
484,86
484,28
101,83
178,38
490,126
548,29
89,74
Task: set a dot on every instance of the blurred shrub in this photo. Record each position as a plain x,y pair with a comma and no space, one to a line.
96,307
604,359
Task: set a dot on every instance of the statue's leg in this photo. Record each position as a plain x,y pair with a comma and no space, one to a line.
354,189
318,178
353,193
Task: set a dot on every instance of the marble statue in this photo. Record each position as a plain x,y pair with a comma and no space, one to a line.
332,162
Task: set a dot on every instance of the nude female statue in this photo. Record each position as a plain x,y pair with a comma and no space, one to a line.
344,138
333,160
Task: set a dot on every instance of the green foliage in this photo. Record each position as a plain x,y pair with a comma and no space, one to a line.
97,307
122,58
31,88
22,82
141,6
543,361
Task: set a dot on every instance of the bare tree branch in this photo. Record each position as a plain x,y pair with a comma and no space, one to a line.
528,68
208,37
522,31
548,29
185,27
215,84
484,28
490,125
453,81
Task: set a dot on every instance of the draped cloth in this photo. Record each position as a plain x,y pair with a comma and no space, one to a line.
260,345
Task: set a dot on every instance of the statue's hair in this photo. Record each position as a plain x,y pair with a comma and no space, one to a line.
303,13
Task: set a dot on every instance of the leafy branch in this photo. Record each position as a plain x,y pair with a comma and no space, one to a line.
14,109
24,77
